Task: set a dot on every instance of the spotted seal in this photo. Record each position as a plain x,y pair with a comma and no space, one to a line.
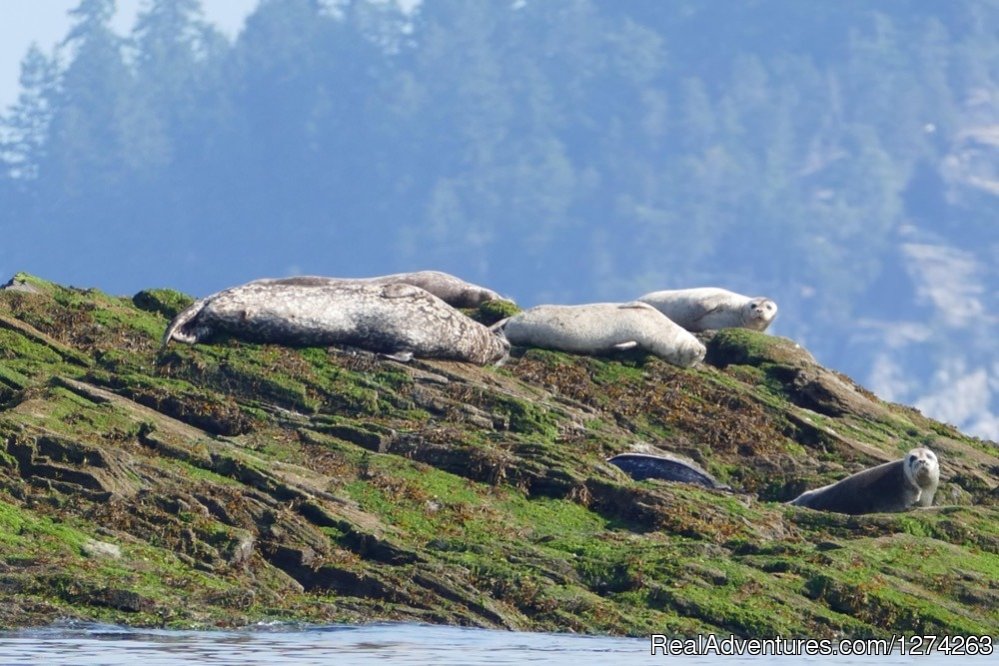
452,290
398,319
711,308
600,328
891,487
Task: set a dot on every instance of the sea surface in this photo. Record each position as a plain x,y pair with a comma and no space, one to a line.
367,644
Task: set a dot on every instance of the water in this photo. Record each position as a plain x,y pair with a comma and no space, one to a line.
385,643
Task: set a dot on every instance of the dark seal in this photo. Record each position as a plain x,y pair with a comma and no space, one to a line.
890,487
640,466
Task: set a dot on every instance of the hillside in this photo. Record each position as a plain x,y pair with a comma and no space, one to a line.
223,485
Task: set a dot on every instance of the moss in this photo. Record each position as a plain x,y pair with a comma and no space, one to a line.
40,534
526,417
38,283
166,302
18,350
610,372
13,379
745,347
490,312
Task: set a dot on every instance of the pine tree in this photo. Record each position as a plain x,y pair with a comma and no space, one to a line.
26,126
88,154
172,43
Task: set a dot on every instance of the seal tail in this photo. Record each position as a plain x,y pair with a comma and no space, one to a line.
174,330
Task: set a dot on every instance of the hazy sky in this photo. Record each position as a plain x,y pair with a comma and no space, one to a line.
47,22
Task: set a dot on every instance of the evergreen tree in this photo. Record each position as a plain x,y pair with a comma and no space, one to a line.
171,41
26,125
89,150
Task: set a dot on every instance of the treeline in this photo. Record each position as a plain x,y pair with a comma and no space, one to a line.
556,150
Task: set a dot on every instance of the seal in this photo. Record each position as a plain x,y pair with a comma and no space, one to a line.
640,466
452,290
891,487
600,328
397,319
711,308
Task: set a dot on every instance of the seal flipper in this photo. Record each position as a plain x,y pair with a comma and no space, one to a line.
623,346
401,356
175,330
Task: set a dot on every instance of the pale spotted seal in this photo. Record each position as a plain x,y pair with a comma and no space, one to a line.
711,308
397,319
891,487
452,290
641,466
600,328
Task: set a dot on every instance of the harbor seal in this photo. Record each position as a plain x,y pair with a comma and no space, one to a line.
711,308
452,290
600,328
397,319
640,466
891,487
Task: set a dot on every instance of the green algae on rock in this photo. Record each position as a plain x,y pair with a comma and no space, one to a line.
239,482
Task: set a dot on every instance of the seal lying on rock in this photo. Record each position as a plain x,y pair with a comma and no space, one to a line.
600,328
711,308
641,466
891,487
452,290
397,319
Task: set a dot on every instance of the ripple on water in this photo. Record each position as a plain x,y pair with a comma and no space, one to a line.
286,645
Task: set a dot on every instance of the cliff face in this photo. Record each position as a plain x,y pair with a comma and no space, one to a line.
221,485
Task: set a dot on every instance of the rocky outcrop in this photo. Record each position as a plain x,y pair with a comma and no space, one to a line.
221,485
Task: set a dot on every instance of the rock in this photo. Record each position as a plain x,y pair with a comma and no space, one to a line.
257,482
98,549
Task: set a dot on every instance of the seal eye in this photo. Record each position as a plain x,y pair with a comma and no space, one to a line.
912,457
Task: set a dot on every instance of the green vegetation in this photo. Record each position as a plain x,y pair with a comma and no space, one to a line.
219,485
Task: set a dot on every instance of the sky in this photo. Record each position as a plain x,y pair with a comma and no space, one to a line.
47,22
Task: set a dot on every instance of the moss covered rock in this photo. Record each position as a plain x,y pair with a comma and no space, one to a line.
237,482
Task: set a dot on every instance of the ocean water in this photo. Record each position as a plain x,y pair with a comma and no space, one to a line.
367,644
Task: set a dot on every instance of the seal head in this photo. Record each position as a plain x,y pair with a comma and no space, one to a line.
923,471
759,313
